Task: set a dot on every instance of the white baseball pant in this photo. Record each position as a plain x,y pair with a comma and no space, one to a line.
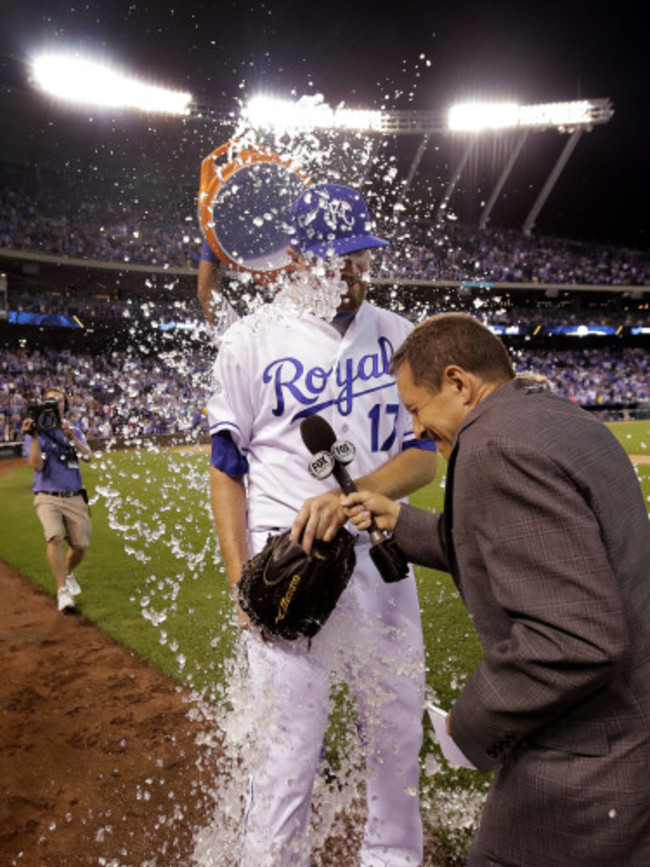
374,637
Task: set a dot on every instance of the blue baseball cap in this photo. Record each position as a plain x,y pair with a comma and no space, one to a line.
331,220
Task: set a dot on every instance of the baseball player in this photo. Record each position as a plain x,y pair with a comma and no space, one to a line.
267,381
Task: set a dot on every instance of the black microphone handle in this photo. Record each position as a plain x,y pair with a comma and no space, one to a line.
384,552
348,486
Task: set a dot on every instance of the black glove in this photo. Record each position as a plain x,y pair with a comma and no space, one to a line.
288,593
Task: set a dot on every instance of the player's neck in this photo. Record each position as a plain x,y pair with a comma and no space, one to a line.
343,319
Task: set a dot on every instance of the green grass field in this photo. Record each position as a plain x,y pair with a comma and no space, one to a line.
152,581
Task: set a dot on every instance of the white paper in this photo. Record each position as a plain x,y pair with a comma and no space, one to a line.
450,751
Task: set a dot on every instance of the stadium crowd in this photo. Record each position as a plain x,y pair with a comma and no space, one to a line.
127,394
143,392
497,307
114,394
508,256
55,219
73,303
63,219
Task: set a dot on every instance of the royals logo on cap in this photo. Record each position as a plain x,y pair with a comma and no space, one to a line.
332,220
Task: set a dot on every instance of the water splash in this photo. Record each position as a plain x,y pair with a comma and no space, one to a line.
162,516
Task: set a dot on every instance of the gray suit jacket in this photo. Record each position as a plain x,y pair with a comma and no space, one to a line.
547,537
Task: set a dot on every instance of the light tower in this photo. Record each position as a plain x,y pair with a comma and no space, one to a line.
467,122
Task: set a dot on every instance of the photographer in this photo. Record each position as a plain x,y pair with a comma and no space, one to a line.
52,447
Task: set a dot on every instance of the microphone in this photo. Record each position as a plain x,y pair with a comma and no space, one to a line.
330,458
319,437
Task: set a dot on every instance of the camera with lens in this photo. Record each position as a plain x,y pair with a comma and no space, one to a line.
45,415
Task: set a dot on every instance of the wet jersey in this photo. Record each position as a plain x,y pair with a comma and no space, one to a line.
271,375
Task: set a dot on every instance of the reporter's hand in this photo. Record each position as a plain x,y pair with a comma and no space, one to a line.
320,517
27,427
362,506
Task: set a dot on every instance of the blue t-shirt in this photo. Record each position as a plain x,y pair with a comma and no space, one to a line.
60,462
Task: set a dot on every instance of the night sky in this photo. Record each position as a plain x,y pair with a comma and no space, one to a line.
422,55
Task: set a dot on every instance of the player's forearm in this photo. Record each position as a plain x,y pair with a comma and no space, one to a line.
228,500
402,475
208,289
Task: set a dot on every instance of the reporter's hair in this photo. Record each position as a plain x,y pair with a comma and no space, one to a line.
58,390
452,339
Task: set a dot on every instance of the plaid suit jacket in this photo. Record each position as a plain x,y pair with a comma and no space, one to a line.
547,537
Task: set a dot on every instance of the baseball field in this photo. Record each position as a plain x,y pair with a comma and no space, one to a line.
152,587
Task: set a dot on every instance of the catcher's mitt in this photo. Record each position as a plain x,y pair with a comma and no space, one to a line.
288,593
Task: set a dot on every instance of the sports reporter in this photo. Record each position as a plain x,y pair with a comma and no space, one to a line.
60,499
546,535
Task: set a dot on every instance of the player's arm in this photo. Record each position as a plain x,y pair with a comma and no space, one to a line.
228,500
209,289
228,413
402,475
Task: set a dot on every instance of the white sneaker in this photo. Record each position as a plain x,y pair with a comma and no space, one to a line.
72,585
65,600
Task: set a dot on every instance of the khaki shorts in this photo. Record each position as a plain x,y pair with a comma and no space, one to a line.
66,517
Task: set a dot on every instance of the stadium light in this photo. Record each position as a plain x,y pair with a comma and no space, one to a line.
479,116
314,113
77,79
310,113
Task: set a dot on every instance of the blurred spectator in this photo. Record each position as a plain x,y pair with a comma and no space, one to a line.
79,219
591,377
144,392
507,256
114,394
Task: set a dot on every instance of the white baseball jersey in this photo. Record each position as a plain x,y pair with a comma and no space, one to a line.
271,372
268,379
